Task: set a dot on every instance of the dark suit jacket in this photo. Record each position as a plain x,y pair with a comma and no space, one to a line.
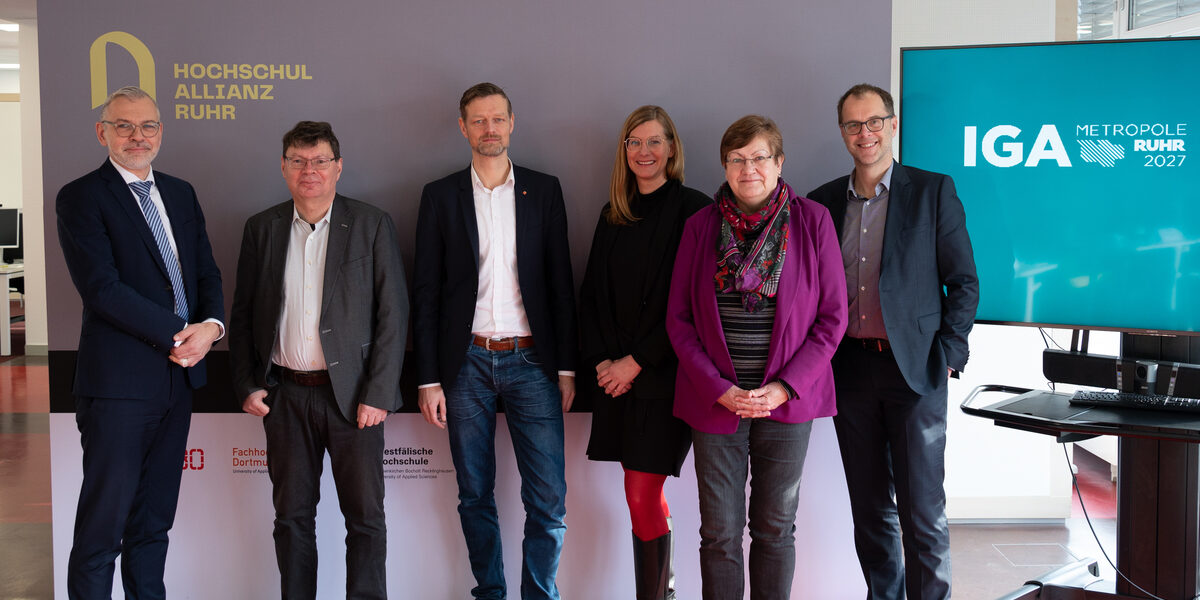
648,344
364,305
128,303
927,283
446,276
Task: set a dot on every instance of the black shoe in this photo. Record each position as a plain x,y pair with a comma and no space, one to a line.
653,568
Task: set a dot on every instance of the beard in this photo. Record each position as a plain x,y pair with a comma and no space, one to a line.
491,148
135,162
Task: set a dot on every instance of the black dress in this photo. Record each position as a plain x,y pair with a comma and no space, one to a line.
623,307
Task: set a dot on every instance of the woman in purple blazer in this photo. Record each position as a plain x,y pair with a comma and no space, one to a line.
756,310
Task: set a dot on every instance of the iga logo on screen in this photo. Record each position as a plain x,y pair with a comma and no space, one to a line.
1102,144
1001,147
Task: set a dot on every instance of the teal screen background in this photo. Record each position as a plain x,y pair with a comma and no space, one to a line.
1084,246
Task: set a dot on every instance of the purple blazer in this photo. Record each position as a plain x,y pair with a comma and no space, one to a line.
810,320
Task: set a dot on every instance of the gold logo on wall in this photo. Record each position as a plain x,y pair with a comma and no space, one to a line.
99,61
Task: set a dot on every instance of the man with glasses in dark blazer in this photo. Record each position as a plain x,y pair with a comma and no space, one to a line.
135,245
912,289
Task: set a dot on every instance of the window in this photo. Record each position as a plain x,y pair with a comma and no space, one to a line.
1115,19
1152,12
1095,19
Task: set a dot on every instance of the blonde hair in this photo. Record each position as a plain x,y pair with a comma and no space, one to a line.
623,186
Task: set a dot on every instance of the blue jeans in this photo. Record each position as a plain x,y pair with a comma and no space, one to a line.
772,454
533,406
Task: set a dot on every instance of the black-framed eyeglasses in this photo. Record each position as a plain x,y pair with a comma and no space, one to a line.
319,163
873,124
125,128
740,162
654,144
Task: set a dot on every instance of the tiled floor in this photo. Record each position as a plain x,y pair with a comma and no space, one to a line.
992,560
25,563
988,560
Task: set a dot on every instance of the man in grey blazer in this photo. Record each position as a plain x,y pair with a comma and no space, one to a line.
912,289
317,335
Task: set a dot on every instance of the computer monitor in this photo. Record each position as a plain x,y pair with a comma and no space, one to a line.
10,227
16,253
1072,162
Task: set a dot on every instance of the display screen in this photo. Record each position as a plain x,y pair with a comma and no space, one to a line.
10,227
1073,163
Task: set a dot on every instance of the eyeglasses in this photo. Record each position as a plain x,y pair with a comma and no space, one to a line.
873,124
299,164
739,162
126,129
635,144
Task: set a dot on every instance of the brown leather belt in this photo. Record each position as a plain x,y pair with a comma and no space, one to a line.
503,344
871,344
305,378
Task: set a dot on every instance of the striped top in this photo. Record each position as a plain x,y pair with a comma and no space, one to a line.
747,336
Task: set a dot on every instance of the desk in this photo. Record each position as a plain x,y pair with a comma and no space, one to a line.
7,274
1158,511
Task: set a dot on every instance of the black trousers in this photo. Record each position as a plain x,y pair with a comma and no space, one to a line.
132,466
304,423
893,446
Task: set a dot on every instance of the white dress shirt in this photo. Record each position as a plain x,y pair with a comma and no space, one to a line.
499,311
298,345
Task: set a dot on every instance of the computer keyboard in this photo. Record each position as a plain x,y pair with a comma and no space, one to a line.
1135,400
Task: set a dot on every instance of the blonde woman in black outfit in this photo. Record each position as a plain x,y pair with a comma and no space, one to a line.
622,312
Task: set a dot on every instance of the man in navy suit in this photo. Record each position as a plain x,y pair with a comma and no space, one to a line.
135,244
494,319
910,275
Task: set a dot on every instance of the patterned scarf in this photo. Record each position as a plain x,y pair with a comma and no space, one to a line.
751,248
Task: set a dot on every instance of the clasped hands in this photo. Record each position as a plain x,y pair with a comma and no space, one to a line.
756,403
193,342
616,376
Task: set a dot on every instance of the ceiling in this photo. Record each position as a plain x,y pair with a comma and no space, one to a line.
18,9
14,11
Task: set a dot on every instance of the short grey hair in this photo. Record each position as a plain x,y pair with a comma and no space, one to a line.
129,92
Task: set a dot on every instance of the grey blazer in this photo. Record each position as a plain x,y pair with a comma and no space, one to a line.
364,305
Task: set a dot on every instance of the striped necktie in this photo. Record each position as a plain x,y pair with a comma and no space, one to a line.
142,190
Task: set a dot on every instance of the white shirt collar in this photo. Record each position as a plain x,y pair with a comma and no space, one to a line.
128,176
323,220
477,183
